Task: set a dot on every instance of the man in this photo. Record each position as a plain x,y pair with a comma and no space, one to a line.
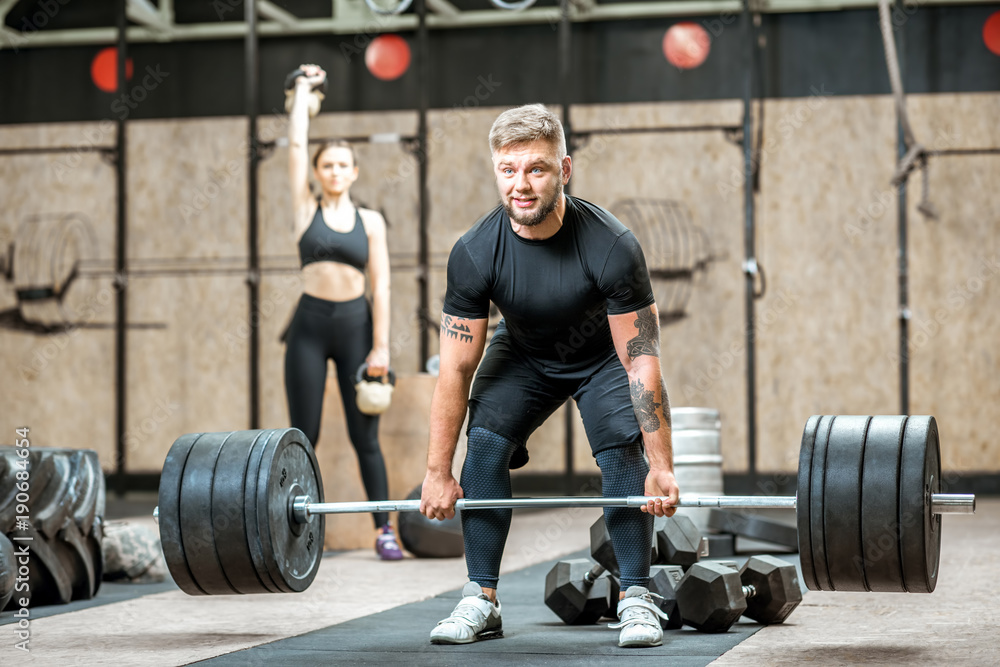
579,320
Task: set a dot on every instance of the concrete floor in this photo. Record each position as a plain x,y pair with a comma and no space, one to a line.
355,598
955,625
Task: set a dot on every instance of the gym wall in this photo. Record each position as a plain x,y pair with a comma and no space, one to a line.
828,330
827,338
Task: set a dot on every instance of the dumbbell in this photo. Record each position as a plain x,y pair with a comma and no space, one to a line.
580,592
664,580
713,595
676,541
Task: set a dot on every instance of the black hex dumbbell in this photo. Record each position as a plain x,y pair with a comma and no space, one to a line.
602,551
664,581
580,592
772,589
712,596
676,541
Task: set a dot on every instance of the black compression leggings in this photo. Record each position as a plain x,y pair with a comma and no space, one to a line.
486,475
341,331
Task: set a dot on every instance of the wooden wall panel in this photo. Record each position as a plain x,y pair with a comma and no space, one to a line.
185,374
827,240
60,381
688,219
955,281
187,191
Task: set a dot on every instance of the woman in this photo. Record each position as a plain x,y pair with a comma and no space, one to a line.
334,320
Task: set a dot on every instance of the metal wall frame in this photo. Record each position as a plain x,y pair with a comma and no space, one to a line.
353,17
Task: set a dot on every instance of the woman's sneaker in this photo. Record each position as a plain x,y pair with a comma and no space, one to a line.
640,619
386,545
474,618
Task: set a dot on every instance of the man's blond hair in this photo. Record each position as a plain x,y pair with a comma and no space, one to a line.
525,124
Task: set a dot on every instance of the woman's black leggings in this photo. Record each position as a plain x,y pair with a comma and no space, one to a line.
340,331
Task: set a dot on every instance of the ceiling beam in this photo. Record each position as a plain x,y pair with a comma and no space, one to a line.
360,23
5,7
443,7
143,12
271,11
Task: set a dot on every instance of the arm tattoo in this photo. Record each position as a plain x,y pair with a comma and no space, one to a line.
666,404
457,329
644,405
647,341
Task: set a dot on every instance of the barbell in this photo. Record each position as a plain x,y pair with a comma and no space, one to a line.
242,512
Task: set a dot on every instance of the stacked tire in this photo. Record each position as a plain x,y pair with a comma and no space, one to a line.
65,509
8,570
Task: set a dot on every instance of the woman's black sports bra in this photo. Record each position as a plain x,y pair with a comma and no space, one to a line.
319,243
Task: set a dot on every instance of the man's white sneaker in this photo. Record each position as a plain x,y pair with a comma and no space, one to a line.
474,618
640,619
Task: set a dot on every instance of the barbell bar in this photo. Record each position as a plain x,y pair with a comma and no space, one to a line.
303,507
243,512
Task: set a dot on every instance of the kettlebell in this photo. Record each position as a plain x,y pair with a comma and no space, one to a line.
373,394
316,96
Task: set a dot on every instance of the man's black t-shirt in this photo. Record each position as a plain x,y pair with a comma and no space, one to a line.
555,294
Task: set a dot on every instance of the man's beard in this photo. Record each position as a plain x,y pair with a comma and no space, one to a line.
545,206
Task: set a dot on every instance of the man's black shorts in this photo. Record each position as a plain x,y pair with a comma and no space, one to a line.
513,394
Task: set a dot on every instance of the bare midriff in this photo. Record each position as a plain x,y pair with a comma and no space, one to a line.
333,281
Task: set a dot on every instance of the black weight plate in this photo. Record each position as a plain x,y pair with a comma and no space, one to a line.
920,529
880,505
229,516
803,503
430,538
842,503
254,542
169,513
817,488
817,534
292,557
196,515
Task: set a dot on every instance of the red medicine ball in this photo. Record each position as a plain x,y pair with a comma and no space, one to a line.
388,57
991,33
686,45
104,69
